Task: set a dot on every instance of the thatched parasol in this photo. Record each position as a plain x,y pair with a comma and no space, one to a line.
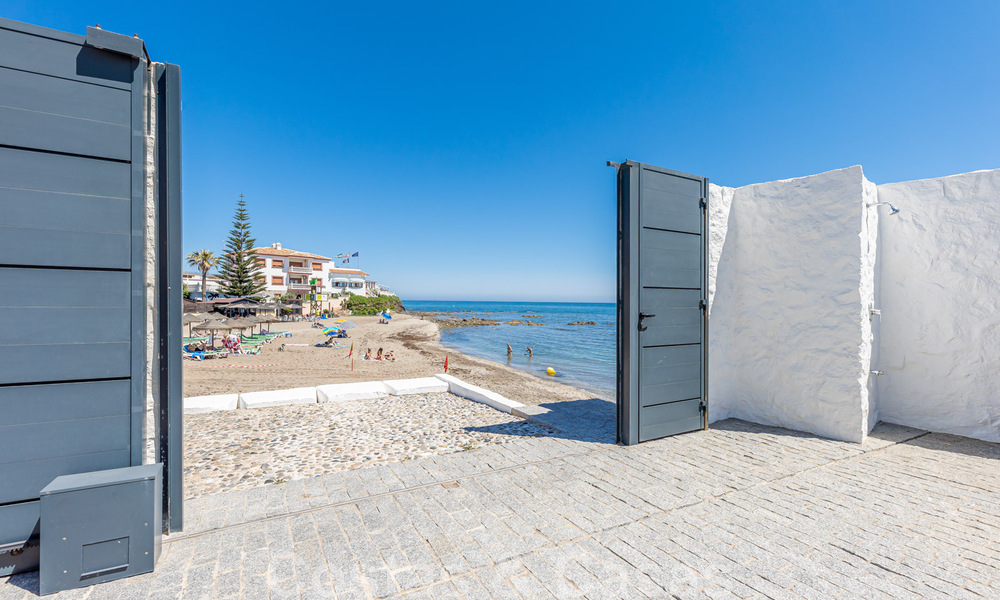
190,319
213,325
242,304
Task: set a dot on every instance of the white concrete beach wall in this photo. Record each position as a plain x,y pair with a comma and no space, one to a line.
939,267
791,284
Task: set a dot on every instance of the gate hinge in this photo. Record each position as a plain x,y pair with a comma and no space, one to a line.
703,304
702,203
702,406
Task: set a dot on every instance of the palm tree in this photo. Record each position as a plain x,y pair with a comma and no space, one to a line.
204,260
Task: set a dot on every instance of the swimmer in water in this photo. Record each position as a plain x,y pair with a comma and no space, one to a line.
510,351
529,352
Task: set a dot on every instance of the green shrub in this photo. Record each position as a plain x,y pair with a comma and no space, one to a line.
364,306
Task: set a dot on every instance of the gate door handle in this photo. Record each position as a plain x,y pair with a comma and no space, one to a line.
642,316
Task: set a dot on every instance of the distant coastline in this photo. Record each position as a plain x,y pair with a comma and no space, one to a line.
576,339
414,341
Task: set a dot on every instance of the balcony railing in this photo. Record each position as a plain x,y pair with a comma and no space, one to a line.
305,270
298,286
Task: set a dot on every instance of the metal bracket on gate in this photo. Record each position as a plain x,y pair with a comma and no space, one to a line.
702,203
703,304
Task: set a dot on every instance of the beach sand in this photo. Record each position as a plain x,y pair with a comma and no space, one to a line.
415,342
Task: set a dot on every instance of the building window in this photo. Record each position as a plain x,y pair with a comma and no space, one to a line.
277,262
275,280
294,264
317,266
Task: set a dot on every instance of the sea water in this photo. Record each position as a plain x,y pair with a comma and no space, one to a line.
581,355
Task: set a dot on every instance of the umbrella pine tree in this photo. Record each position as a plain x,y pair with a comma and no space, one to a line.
240,272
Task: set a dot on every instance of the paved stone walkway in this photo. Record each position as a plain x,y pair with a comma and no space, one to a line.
242,449
739,511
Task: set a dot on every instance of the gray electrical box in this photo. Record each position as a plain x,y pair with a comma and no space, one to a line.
99,526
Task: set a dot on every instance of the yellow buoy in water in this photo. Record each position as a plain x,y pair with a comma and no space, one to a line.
550,371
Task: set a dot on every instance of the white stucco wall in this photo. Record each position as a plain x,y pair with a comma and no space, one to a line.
940,301
723,295
868,286
790,337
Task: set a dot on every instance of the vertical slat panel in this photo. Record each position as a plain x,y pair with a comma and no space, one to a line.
667,240
72,199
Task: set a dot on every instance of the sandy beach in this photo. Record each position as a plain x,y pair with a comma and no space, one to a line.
415,342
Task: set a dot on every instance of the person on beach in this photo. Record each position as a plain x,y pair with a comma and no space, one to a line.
390,356
379,355
510,351
281,348
529,352
368,354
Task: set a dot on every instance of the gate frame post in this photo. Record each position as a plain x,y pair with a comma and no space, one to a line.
627,309
169,450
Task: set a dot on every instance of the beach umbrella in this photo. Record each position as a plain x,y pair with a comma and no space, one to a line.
256,320
331,330
347,325
386,315
190,319
212,326
238,323
242,304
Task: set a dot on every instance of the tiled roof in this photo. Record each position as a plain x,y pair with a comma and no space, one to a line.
286,252
354,271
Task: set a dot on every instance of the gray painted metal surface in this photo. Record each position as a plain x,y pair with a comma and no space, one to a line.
662,295
99,526
169,375
72,281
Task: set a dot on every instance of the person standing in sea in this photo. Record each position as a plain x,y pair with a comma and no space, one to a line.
529,352
510,353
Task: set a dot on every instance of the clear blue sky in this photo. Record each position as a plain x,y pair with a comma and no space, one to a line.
460,147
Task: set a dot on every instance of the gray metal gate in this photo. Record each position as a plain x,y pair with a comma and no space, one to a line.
662,295
72,253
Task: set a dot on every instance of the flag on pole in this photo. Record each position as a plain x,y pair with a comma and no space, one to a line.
445,363
355,254
351,351
340,256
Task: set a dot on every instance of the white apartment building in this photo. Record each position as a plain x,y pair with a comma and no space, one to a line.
192,282
348,280
291,271
374,288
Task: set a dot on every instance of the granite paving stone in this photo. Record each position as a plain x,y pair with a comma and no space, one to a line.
737,511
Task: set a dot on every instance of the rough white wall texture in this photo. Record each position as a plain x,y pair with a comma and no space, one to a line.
720,200
722,299
868,282
790,338
940,302
151,423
